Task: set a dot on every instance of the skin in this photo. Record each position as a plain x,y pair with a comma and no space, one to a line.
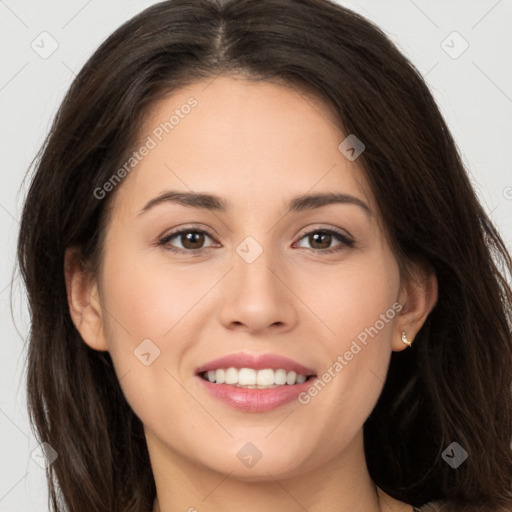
258,145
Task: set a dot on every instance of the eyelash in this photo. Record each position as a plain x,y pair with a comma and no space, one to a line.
340,236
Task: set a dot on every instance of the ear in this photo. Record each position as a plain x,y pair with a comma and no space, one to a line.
84,301
418,296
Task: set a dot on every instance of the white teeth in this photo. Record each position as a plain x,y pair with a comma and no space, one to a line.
280,377
231,376
250,378
264,377
291,377
247,377
219,376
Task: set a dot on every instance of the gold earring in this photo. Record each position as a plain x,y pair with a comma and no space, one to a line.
405,340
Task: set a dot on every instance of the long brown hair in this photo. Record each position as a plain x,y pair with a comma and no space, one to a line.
453,385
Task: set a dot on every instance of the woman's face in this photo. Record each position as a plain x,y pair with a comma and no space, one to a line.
257,277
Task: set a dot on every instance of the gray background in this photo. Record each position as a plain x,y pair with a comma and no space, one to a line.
473,89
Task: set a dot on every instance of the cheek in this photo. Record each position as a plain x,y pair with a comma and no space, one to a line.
142,305
148,300
355,301
360,314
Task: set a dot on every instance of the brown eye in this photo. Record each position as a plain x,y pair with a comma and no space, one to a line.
186,240
320,240
192,239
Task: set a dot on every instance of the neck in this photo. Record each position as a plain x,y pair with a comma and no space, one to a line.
342,483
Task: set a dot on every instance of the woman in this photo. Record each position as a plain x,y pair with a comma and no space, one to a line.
259,278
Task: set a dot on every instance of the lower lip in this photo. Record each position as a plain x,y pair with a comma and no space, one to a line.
255,400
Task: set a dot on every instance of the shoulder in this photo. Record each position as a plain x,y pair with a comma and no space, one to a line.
433,506
393,505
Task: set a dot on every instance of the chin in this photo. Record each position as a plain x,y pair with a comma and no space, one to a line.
274,465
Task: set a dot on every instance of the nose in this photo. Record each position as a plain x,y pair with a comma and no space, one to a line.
257,296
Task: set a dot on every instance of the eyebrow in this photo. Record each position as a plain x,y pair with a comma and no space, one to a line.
216,203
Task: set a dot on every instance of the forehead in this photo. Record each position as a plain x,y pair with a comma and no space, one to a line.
254,142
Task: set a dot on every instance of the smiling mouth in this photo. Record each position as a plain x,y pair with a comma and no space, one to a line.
254,379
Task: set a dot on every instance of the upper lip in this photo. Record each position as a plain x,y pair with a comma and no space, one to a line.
256,361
